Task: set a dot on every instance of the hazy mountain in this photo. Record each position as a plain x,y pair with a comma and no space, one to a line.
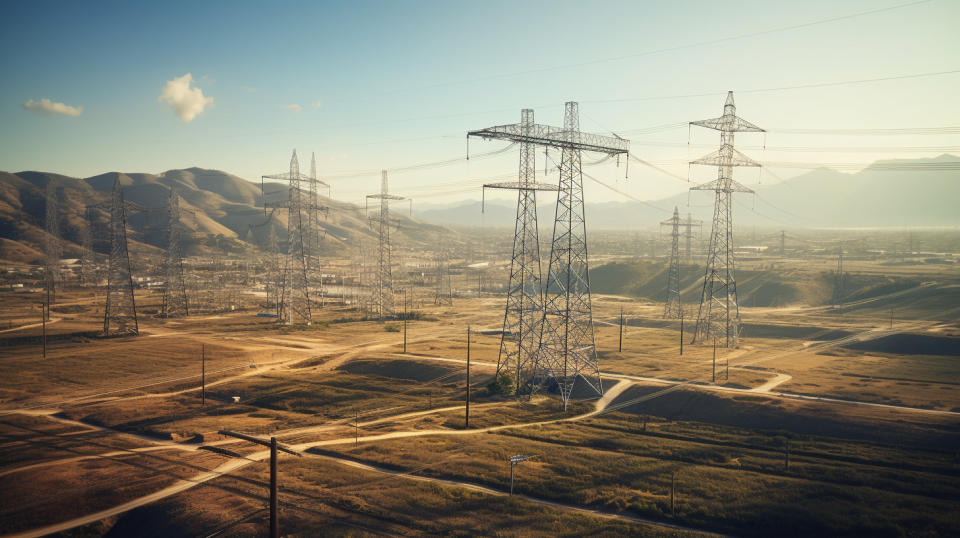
925,194
219,210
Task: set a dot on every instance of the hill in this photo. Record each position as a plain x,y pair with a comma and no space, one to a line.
220,211
898,193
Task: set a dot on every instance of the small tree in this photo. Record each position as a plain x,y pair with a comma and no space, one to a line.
502,383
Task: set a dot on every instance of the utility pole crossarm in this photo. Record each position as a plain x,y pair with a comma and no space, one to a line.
729,123
556,137
259,441
287,176
385,197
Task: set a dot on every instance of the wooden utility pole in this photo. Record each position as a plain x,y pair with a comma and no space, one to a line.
673,488
714,359
620,348
467,407
681,332
274,447
404,320
274,520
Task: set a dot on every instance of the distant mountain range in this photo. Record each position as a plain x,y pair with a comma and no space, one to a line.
898,193
221,212
225,213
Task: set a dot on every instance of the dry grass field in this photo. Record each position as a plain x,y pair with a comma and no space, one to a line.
115,436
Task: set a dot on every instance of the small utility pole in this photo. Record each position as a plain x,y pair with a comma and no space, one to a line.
714,358
274,447
515,460
620,349
404,320
44,308
673,489
274,520
467,407
203,374
681,332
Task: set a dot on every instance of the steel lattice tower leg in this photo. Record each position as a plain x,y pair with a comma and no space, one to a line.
51,244
384,291
672,307
719,314
295,304
120,311
313,222
175,290
567,349
523,316
444,291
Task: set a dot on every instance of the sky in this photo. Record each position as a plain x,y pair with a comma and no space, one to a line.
92,87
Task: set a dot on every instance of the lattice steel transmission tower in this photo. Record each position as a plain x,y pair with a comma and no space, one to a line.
523,317
174,290
295,304
719,313
51,270
120,311
383,286
444,287
672,308
566,350
689,224
87,267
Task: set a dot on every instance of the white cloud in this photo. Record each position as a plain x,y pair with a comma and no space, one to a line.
295,107
47,106
318,104
187,102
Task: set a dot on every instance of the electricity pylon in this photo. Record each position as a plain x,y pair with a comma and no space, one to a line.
383,291
672,308
87,270
120,311
566,350
51,271
444,288
689,224
838,285
719,313
295,293
175,290
522,318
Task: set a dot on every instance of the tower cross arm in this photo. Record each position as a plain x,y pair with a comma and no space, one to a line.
286,176
726,156
555,137
729,123
381,196
722,185
517,185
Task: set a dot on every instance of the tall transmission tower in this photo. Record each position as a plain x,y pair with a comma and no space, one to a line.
673,309
383,291
51,244
295,305
87,269
689,224
566,351
719,313
444,288
838,285
522,319
120,311
175,290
